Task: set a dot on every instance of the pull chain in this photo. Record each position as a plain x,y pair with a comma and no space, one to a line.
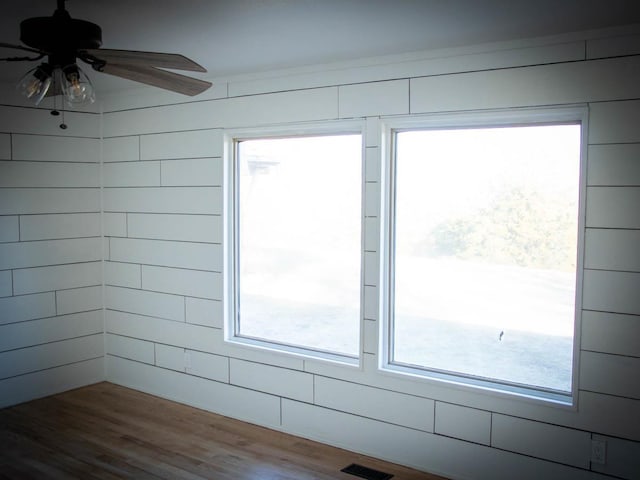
55,111
63,125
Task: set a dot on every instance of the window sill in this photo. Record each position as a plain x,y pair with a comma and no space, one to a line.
507,391
296,352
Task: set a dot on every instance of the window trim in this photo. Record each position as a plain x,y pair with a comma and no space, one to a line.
231,139
458,120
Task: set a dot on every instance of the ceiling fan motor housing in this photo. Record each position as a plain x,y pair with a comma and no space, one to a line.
60,36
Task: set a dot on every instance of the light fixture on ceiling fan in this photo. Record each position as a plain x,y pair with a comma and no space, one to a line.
69,81
63,40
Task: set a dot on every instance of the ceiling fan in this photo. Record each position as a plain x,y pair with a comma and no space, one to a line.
63,40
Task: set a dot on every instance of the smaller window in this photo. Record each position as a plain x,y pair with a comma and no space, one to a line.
297,223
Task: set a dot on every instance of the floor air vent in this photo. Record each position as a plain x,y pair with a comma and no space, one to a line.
364,472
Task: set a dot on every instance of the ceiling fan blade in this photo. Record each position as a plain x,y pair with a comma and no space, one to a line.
146,59
20,47
158,78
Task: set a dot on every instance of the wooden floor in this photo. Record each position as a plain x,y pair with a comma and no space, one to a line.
110,432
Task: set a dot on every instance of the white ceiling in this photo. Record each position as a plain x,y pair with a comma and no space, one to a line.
230,37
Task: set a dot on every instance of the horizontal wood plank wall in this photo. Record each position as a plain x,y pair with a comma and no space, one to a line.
51,321
163,220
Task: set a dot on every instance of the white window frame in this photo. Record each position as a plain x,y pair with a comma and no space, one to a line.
479,119
231,247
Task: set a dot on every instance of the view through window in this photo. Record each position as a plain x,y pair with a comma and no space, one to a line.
486,223
299,241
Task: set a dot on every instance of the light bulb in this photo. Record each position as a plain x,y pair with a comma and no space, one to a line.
35,83
76,86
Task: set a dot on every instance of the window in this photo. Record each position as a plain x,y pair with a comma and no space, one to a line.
484,235
297,244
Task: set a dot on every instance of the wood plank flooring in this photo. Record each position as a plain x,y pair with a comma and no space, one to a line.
110,432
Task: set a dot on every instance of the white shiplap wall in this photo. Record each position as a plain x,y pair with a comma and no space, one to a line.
51,319
163,212
164,201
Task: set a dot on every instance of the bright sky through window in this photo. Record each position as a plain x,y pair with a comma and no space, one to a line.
486,224
299,242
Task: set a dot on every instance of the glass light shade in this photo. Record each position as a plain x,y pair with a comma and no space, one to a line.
35,83
76,86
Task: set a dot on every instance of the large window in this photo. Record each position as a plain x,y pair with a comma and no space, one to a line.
484,248
297,243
